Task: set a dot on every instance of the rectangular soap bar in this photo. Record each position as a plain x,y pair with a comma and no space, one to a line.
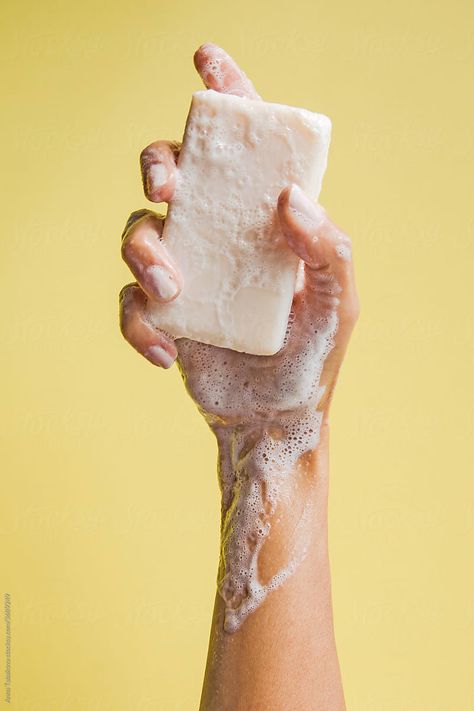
222,228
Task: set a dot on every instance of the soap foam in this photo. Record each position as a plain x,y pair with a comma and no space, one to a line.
263,411
215,71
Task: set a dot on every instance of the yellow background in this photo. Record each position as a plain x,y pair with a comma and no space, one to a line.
109,506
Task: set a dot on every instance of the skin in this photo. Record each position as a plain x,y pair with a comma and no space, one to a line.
283,655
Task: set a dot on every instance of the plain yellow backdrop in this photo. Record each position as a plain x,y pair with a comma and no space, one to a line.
109,502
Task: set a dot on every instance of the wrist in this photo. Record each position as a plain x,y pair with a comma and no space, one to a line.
273,479
298,525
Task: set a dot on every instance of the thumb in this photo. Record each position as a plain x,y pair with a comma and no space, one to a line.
325,250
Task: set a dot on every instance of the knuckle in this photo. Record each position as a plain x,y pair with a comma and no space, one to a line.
148,154
134,218
128,297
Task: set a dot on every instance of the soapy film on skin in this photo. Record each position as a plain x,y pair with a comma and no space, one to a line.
263,411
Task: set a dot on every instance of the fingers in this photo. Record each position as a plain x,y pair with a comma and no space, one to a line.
157,279
147,257
326,251
158,168
158,160
219,72
155,345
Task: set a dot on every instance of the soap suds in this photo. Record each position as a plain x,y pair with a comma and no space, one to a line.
220,72
263,411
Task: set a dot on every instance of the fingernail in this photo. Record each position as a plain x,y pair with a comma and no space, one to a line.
163,282
157,176
158,356
308,213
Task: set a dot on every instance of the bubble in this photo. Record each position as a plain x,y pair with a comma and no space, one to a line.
263,410
274,401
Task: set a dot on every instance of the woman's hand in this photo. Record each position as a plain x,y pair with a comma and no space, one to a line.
266,411
328,290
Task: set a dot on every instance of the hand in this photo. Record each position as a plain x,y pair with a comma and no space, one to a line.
266,411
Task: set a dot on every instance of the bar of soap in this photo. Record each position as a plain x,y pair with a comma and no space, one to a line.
222,227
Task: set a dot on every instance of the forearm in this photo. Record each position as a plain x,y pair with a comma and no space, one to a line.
283,654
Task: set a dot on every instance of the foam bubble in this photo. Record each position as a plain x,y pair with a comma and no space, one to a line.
263,411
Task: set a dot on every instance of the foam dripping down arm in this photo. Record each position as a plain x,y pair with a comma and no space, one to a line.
272,642
283,655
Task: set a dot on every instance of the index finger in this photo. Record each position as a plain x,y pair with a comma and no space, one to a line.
220,72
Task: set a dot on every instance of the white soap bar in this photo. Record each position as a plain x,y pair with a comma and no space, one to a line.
222,228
